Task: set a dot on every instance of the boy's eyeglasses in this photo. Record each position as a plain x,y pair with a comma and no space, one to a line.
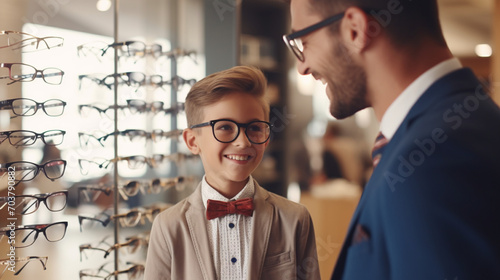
21,72
26,235
19,138
20,260
226,131
27,204
293,41
27,42
28,107
27,171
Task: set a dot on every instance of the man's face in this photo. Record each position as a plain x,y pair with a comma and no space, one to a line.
328,59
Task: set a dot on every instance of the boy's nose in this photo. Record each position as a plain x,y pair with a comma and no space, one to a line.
242,139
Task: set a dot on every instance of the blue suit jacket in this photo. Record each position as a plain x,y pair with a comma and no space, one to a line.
431,209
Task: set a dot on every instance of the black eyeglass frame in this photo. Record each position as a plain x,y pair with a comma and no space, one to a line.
239,125
39,199
297,34
7,231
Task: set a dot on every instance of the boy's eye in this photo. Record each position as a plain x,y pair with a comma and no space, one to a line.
226,126
255,128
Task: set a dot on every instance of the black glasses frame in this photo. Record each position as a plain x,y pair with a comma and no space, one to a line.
291,40
39,198
239,125
36,169
37,74
28,140
7,231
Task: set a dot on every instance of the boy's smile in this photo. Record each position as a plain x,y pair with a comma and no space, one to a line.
228,165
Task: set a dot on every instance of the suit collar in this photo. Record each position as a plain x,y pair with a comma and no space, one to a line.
196,220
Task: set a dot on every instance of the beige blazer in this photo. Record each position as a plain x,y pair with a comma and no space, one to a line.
283,244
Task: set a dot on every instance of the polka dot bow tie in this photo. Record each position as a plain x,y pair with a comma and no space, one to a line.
216,208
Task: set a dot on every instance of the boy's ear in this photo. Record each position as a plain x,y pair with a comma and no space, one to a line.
190,139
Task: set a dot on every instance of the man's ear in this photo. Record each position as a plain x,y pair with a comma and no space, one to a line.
190,139
357,29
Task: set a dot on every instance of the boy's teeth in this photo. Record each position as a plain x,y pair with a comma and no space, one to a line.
234,157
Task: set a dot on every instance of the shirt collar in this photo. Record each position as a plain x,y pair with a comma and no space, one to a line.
400,107
208,192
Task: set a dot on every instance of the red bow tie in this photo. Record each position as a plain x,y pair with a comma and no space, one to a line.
216,208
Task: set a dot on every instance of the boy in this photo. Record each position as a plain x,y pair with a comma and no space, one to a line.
227,119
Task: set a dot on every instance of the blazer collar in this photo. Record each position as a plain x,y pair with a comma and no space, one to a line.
196,219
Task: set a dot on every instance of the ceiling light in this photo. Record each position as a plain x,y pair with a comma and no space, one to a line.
483,50
103,5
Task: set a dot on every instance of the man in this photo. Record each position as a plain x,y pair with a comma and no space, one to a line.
431,208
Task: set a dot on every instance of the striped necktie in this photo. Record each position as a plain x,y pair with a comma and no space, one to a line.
380,142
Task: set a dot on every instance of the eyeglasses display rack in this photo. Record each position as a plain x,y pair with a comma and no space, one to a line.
119,190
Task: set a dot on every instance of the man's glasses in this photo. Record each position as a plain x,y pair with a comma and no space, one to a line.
21,72
27,42
293,41
26,235
27,171
132,244
19,138
21,262
27,204
28,107
226,131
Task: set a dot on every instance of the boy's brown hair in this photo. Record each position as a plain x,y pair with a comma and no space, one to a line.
209,90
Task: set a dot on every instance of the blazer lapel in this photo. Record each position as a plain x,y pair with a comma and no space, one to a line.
261,229
196,219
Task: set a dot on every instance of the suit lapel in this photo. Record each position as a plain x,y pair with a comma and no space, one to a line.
261,230
196,219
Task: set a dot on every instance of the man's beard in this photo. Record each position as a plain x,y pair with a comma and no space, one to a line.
348,94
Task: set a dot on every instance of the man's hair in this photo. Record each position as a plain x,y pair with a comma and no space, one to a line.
405,21
211,89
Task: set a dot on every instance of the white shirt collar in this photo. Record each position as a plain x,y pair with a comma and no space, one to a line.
208,192
400,107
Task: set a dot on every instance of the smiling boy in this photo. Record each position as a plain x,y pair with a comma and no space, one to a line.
231,227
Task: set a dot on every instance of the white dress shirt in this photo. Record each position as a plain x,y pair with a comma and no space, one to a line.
401,106
229,235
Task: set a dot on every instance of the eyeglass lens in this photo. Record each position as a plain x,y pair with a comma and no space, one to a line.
28,107
227,131
23,73
27,171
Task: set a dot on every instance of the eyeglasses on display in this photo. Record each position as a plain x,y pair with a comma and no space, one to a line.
26,235
132,244
128,219
92,192
86,109
18,138
134,272
27,204
21,262
176,53
21,72
23,107
133,134
27,42
293,41
135,48
27,171
226,131
131,79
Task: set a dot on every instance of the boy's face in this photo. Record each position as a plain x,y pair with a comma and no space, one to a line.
228,163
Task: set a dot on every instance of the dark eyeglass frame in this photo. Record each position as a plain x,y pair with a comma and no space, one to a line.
290,39
37,169
39,198
7,231
28,78
28,140
43,261
154,49
8,104
239,125
133,243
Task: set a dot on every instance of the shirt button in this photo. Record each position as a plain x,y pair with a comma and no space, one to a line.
233,260
231,225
